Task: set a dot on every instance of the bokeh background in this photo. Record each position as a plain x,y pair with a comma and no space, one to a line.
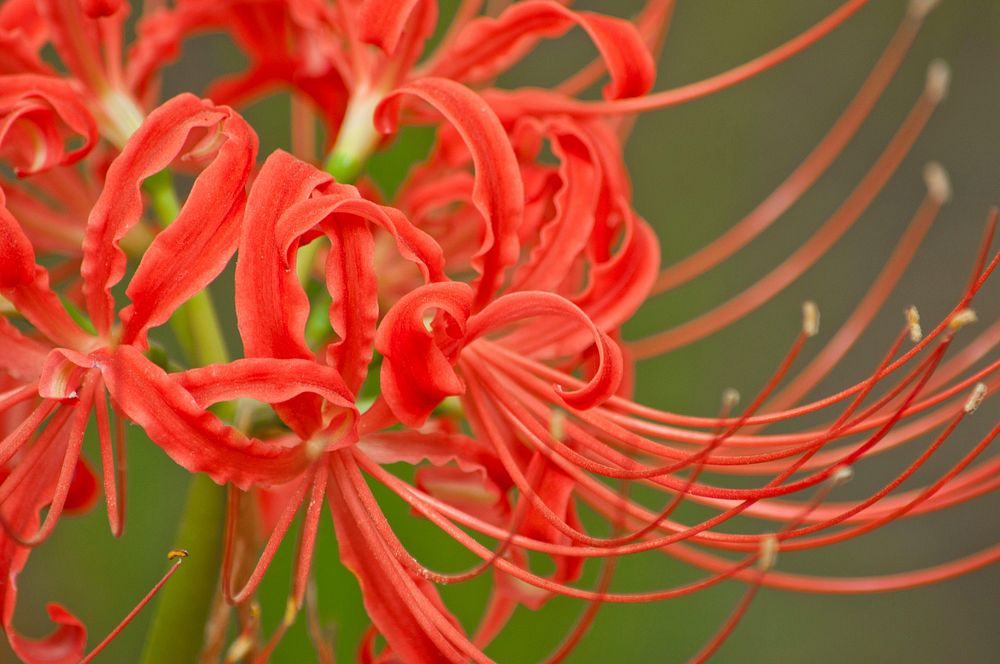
696,169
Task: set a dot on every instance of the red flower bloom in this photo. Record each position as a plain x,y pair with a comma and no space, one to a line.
66,370
471,329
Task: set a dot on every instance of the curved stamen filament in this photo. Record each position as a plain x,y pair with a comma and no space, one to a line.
806,173
178,556
807,254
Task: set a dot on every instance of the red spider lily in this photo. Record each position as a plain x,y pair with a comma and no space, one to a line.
64,368
323,52
486,303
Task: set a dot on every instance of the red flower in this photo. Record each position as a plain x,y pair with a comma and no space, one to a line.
67,368
472,329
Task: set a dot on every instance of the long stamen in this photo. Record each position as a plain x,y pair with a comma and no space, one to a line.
176,555
819,243
868,307
808,171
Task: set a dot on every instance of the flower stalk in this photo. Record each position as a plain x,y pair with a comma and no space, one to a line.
177,631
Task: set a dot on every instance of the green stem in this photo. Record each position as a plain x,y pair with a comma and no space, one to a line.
357,138
178,629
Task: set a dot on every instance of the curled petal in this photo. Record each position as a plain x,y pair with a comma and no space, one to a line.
64,645
38,115
618,286
290,203
62,373
271,305
416,372
615,289
515,307
264,379
195,248
561,240
488,46
192,436
498,193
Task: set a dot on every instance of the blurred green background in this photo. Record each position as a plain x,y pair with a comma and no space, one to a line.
696,169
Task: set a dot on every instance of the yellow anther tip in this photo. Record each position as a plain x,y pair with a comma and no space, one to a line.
937,181
938,79
976,398
810,318
913,321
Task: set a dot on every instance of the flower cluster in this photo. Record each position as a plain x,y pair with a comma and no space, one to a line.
470,327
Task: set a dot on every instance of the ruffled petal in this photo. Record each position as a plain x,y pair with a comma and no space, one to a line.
290,203
264,379
38,116
516,307
488,46
194,249
416,373
498,193
192,436
561,241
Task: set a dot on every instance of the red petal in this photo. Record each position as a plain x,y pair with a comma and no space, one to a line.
518,306
195,248
21,511
26,285
193,437
264,379
17,256
82,489
488,46
64,645
416,372
271,305
381,22
20,357
615,289
100,8
38,115
61,374
440,449
405,609
88,46
561,241
353,287
289,202
555,489
498,193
